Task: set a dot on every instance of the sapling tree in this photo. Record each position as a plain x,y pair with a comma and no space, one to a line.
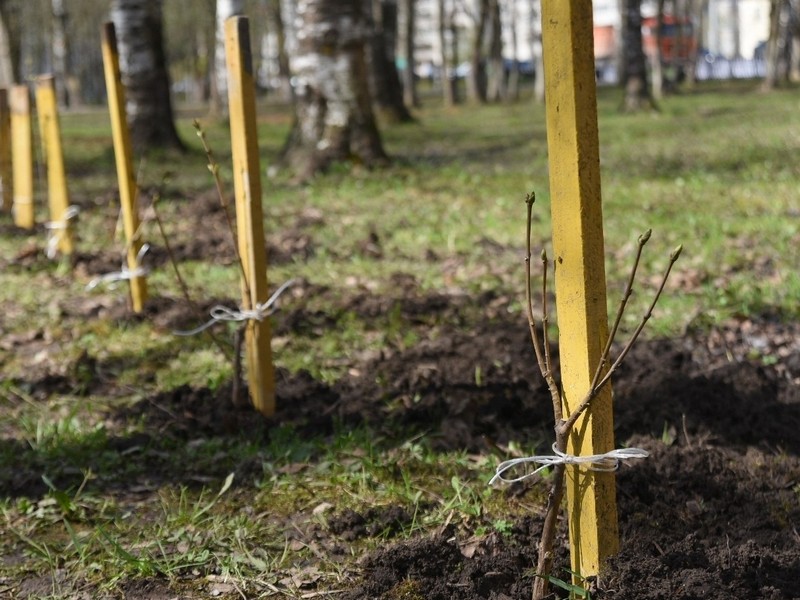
220,313
563,423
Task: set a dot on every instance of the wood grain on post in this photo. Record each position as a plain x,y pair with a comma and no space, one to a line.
572,141
128,194
19,101
249,213
5,152
58,197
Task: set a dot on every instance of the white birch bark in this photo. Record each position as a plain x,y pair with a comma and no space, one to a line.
225,10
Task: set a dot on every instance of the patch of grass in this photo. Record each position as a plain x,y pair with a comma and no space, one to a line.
110,500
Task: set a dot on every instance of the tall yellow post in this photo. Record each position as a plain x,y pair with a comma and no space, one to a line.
573,147
5,152
249,213
22,156
58,198
123,153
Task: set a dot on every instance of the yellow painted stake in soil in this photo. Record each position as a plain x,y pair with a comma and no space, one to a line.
572,141
125,175
5,152
19,101
58,197
249,213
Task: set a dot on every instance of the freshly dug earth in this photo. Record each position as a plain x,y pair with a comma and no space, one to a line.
712,513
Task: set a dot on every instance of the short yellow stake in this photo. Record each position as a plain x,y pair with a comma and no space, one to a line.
58,198
249,213
5,152
22,156
572,141
128,194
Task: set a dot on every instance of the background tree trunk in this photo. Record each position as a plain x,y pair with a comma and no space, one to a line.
476,81
144,73
219,79
774,50
276,23
408,12
449,87
513,76
496,89
384,80
536,52
333,113
60,46
634,78
10,45
794,41
656,61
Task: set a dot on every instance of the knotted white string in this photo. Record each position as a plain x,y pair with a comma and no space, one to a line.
221,313
57,228
606,463
124,274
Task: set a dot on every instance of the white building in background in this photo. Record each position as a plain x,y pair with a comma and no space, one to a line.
521,23
724,33
736,37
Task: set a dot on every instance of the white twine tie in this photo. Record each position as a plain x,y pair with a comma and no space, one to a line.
605,463
57,229
124,274
220,313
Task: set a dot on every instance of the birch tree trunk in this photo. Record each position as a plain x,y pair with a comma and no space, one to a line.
219,80
333,113
776,45
384,80
143,67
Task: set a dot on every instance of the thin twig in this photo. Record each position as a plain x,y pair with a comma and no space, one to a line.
621,310
545,563
673,257
236,392
537,345
545,318
562,427
181,281
213,166
567,425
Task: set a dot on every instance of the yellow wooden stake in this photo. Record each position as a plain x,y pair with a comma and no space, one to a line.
22,156
128,194
58,198
572,141
5,152
249,213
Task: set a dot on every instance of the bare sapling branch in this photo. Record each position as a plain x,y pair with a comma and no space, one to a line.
592,393
643,239
181,281
213,167
563,427
673,258
541,359
548,362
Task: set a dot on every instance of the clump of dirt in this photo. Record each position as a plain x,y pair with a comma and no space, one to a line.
439,568
376,521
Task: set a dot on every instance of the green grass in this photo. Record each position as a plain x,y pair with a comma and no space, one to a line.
716,171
